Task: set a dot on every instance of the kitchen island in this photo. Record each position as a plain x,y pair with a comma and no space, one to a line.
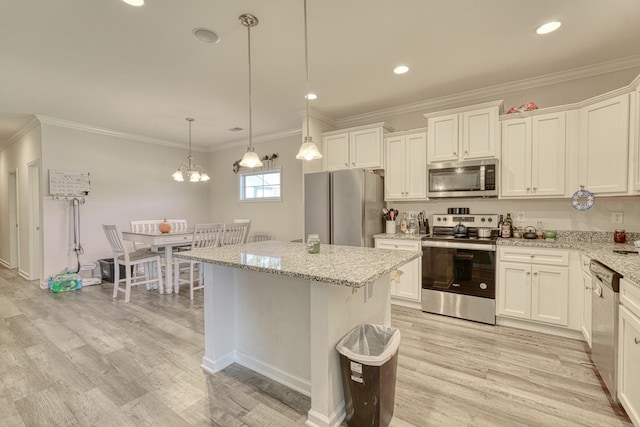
279,310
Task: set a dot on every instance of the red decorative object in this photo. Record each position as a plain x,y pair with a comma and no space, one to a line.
165,226
529,106
619,236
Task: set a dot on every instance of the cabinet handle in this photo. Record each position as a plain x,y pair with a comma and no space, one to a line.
637,340
528,189
466,152
353,163
528,273
535,189
533,256
535,273
587,287
346,164
455,154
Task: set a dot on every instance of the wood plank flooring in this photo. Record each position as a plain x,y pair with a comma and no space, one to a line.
81,359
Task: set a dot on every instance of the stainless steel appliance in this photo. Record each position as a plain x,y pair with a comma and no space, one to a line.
474,178
344,207
459,270
604,324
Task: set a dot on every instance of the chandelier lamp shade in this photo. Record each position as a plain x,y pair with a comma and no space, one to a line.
308,149
250,158
189,171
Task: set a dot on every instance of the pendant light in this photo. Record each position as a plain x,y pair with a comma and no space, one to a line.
250,158
308,150
194,173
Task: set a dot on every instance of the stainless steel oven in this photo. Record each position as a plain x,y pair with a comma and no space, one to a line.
459,269
473,178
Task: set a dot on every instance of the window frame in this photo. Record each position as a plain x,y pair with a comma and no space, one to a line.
241,185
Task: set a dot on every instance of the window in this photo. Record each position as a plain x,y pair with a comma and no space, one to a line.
262,185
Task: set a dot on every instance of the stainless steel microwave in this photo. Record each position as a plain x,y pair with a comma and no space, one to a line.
473,178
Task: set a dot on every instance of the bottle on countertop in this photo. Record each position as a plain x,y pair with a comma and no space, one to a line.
507,226
413,224
403,223
313,243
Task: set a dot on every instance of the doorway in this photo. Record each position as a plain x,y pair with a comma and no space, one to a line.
14,233
35,235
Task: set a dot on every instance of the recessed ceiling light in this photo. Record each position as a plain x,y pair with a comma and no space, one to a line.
311,96
549,27
401,69
205,35
134,2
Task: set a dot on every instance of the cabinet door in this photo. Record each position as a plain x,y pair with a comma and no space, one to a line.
628,366
416,166
516,158
550,294
604,144
586,307
442,138
335,151
395,169
514,282
407,284
479,133
548,158
635,117
366,148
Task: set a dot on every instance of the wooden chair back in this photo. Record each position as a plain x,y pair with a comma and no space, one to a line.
114,237
207,235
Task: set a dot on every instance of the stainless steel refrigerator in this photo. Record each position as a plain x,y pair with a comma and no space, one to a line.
344,207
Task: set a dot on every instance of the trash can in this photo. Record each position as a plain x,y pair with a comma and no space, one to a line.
368,361
107,266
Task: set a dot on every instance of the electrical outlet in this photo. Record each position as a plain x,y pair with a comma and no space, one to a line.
617,217
521,216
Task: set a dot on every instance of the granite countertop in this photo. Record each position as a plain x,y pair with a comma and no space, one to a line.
399,236
340,265
628,265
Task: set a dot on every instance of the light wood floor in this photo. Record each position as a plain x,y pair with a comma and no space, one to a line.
80,358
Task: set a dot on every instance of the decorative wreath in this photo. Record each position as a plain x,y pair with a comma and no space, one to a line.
582,200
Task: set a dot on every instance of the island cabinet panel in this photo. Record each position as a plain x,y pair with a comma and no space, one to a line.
629,350
406,167
604,146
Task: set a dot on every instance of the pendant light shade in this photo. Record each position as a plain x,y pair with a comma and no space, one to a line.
194,173
308,150
250,158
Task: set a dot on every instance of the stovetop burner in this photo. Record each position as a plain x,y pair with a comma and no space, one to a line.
443,228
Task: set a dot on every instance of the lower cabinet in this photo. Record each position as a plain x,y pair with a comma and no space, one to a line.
532,289
586,298
629,350
406,285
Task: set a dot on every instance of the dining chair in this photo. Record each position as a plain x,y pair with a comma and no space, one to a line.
204,236
260,238
240,221
131,261
235,233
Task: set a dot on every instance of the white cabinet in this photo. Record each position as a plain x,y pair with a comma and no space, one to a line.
635,128
407,284
353,148
533,284
629,350
406,166
586,298
463,134
533,162
604,146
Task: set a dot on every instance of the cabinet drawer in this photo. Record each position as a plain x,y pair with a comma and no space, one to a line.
534,256
403,245
630,296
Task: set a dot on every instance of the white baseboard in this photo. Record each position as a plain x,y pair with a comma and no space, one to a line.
406,303
538,327
316,419
298,384
23,274
5,263
213,366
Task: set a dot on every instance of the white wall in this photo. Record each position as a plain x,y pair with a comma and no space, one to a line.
16,157
129,180
283,220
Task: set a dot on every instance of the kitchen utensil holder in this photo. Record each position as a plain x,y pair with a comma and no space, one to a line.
391,227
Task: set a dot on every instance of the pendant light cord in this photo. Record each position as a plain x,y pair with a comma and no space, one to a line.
306,68
250,112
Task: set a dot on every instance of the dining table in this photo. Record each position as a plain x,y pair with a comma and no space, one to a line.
168,241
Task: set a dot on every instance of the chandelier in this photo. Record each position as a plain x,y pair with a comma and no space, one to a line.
193,173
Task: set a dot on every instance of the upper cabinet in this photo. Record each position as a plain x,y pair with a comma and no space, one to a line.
604,146
464,133
359,147
635,128
406,165
534,156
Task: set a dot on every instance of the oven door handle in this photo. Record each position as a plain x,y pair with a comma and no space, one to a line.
458,245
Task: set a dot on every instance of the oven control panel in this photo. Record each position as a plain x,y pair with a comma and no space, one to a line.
468,220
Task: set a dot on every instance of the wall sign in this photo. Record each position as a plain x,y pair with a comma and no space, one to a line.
68,183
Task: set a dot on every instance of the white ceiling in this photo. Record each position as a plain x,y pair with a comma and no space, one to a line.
141,71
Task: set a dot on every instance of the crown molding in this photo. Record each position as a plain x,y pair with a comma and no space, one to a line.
26,128
257,140
493,91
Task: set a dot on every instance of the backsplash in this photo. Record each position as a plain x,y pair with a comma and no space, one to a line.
555,214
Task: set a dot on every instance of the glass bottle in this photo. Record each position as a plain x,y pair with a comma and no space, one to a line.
313,243
403,223
507,225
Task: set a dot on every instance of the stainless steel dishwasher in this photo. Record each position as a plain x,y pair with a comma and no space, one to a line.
604,324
